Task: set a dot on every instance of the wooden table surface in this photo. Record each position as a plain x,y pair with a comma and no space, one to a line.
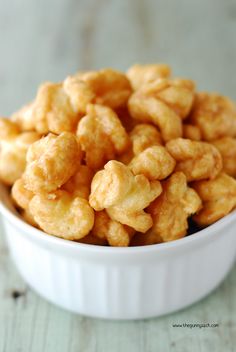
46,40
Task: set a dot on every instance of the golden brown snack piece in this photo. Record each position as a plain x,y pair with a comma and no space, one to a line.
51,162
21,195
148,109
101,136
123,195
178,94
55,111
163,103
8,128
79,184
137,118
142,137
141,74
13,151
227,149
192,132
110,87
171,210
218,197
197,160
215,115
79,93
155,163
28,217
24,118
115,233
62,215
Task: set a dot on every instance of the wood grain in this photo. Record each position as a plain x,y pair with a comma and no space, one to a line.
42,40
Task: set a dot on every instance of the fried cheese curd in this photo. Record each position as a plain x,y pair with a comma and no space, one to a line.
20,194
171,210
110,87
141,74
79,183
155,163
56,108
123,195
62,214
218,197
13,149
197,160
24,118
215,115
164,103
111,231
21,198
121,159
141,136
227,149
51,162
101,135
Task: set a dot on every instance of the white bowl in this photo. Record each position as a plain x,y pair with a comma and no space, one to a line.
120,283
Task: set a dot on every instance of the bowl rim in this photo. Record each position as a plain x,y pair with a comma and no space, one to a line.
42,236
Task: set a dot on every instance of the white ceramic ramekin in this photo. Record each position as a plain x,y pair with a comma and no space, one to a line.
120,283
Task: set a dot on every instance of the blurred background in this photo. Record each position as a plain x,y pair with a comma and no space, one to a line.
47,40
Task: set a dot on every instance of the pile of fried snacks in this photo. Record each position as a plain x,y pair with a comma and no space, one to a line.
121,159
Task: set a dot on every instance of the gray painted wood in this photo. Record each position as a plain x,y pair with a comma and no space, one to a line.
42,40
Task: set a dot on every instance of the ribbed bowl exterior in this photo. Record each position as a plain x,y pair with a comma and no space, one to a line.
121,283
121,289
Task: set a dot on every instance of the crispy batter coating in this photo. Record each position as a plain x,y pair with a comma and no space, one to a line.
123,195
197,160
150,109
227,149
51,162
192,132
171,210
24,118
163,103
79,184
21,195
8,128
141,74
215,115
62,214
111,87
28,217
13,155
101,136
142,137
79,93
218,197
86,157
178,94
155,163
115,233
54,111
